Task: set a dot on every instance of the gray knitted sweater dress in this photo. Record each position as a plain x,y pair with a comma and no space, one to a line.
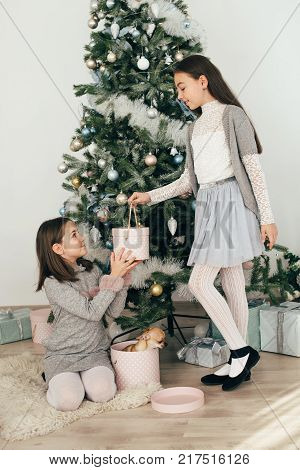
79,340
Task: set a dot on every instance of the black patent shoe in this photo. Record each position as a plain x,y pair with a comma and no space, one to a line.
213,379
233,382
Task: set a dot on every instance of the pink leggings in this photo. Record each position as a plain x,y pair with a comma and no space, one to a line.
231,317
67,390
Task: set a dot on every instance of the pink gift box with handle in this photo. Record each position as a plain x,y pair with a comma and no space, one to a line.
134,368
39,326
132,238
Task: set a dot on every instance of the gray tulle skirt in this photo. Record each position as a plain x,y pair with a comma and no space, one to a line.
227,233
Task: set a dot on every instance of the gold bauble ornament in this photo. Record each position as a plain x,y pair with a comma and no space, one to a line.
111,57
150,159
76,182
156,290
91,63
76,144
178,56
121,199
93,22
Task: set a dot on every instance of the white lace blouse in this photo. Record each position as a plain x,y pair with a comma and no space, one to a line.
212,162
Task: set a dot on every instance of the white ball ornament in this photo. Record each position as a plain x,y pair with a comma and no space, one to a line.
150,159
110,4
112,175
143,63
62,167
111,57
173,151
101,163
152,112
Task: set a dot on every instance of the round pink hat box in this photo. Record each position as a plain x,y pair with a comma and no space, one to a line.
177,400
134,368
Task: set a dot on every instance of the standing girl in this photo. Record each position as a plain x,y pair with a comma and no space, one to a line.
76,361
233,215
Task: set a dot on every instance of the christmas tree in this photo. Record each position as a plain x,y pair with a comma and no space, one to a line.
132,138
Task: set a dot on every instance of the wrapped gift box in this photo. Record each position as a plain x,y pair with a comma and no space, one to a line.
206,352
280,329
40,328
15,325
253,331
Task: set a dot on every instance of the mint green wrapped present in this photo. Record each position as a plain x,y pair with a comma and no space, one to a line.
15,325
253,331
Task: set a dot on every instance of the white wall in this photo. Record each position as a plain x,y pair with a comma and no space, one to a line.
38,117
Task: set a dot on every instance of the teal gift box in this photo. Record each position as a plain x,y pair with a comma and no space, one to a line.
15,325
253,331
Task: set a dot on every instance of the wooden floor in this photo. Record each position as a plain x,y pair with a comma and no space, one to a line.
260,414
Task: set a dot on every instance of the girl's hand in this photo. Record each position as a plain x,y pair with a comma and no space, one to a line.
269,230
121,262
139,198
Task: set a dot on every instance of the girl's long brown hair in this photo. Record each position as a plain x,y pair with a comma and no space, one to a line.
50,263
196,65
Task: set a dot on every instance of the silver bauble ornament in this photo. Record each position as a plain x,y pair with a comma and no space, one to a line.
121,199
152,112
101,15
102,68
143,63
92,23
63,168
94,5
150,159
115,29
62,211
110,4
178,56
76,144
112,175
103,215
101,163
91,63
178,158
172,225
155,9
111,57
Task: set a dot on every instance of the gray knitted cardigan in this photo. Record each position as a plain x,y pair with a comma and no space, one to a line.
240,138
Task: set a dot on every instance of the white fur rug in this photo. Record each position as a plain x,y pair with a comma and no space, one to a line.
25,412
